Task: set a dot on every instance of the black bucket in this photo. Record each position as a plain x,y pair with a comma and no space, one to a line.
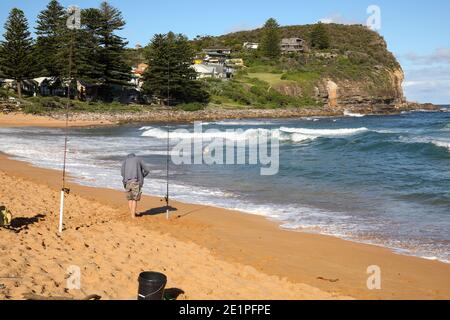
151,286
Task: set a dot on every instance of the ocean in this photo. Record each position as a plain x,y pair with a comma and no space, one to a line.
383,180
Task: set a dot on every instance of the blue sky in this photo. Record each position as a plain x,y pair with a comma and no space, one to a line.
416,31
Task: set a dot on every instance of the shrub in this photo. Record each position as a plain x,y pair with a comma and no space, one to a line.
193,106
3,94
33,109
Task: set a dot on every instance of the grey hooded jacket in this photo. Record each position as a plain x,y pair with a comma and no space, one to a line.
134,168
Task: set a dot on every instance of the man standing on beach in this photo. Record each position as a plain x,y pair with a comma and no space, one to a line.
134,170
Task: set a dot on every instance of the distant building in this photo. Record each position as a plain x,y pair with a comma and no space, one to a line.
211,71
217,52
216,55
250,45
29,86
234,63
292,45
50,86
140,69
137,74
8,84
204,71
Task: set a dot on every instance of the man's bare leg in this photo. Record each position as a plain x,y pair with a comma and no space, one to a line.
133,206
130,208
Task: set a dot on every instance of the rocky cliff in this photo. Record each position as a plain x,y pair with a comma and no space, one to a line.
363,94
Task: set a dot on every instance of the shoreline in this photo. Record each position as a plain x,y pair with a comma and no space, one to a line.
12,120
162,115
37,261
253,240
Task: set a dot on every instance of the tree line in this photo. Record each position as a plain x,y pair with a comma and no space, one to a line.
97,54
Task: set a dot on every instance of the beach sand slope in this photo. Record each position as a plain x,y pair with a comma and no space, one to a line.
111,250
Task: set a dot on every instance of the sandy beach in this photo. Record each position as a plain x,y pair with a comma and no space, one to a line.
209,253
23,120
112,250
295,153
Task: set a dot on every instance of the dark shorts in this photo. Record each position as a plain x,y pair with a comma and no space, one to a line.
133,190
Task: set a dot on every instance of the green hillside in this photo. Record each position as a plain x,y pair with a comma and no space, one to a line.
366,44
357,59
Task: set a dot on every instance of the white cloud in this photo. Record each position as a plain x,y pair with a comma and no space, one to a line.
440,55
427,76
241,27
339,19
428,84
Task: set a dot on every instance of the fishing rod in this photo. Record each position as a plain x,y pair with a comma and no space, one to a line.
64,190
168,142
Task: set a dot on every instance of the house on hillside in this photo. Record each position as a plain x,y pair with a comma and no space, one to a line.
250,45
50,86
204,71
216,55
235,63
222,52
289,45
56,86
137,75
139,69
218,71
29,86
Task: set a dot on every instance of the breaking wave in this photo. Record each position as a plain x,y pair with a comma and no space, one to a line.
436,142
283,133
351,114
205,135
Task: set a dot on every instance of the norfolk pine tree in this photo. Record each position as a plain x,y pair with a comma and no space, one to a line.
170,58
271,40
111,51
50,40
16,50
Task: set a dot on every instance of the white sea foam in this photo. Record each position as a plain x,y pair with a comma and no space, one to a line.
311,119
242,123
442,143
206,134
298,137
351,114
325,132
284,133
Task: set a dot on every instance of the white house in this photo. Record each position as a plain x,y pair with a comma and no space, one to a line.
204,71
251,45
210,71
